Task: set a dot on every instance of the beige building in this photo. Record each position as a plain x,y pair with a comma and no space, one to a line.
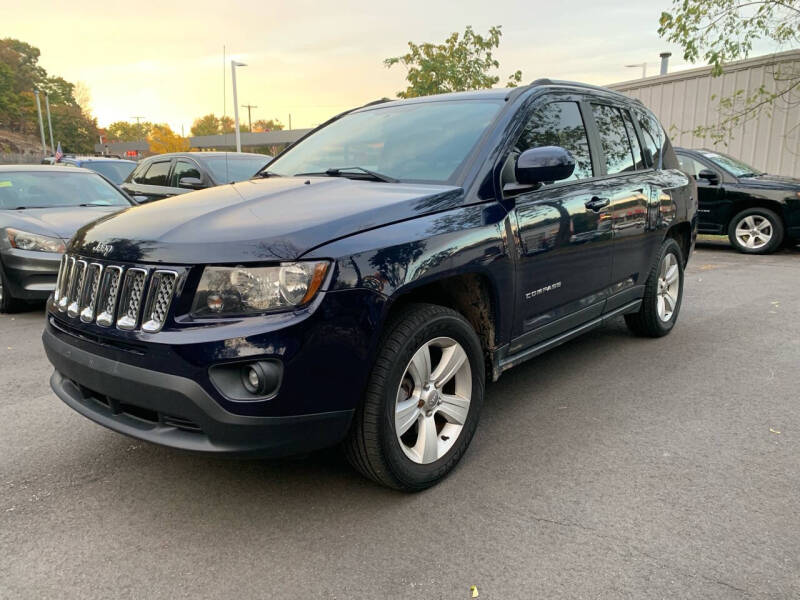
683,100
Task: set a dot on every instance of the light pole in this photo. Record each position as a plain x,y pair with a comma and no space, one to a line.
643,67
49,121
41,123
235,64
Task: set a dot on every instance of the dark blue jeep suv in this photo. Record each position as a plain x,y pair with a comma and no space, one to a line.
365,285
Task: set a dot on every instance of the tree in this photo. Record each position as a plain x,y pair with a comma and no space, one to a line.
125,131
270,125
721,31
462,62
207,125
162,139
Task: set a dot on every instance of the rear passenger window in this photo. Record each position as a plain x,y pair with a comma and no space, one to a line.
637,149
614,137
157,174
653,137
559,124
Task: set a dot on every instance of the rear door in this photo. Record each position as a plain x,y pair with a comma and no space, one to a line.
564,270
630,191
152,183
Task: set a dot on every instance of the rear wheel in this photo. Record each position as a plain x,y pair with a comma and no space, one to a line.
663,293
423,400
756,231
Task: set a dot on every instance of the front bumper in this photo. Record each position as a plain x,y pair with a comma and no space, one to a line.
31,275
175,411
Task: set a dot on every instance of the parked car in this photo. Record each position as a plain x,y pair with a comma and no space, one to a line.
40,209
757,211
376,274
165,175
116,170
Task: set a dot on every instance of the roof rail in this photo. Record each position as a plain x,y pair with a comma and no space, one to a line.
588,86
380,101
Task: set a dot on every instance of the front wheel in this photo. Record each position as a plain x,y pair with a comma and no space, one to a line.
756,231
423,400
663,293
7,302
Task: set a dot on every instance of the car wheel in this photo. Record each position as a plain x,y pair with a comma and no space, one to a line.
756,231
422,402
7,302
663,293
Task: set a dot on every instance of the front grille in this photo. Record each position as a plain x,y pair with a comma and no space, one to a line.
110,294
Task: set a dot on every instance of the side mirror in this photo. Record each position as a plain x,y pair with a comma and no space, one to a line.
191,183
708,175
546,163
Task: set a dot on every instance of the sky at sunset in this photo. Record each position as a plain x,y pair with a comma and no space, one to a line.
163,60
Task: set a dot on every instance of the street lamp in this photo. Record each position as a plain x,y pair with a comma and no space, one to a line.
643,67
235,64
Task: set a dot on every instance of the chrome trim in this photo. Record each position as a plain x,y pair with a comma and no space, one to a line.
78,280
63,300
109,302
128,316
59,278
161,279
90,294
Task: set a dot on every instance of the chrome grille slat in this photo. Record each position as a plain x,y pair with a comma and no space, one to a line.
69,274
159,298
88,300
131,298
77,282
109,290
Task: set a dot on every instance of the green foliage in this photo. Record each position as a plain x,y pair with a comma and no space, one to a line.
267,125
721,31
20,75
207,125
125,131
463,62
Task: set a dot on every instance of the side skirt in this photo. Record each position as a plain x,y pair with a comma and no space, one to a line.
503,361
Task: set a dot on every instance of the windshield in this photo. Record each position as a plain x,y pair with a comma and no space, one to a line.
234,168
112,170
422,141
735,167
43,189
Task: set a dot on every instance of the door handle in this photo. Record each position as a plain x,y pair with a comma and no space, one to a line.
596,203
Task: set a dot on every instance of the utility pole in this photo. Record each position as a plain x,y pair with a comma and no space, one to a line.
249,120
49,121
41,123
138,119
290,121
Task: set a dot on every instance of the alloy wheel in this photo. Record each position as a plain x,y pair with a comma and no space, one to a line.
754,232
433,400
669,284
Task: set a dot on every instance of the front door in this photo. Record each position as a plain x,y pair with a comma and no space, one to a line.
564,232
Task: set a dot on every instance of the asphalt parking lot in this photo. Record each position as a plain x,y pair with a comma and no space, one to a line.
612,467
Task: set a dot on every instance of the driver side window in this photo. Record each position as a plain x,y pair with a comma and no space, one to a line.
554,124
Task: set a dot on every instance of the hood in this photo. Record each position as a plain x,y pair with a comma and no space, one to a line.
278,218
775,182
61,222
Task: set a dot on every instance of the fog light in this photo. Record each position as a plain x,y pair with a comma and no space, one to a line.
255,379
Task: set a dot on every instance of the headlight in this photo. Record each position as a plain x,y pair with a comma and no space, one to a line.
34,241
244,290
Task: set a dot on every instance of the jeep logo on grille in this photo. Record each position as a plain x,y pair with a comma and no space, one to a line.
104,249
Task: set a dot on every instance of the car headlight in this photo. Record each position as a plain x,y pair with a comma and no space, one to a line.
24,240
242,290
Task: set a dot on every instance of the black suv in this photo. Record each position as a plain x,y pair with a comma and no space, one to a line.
758,212
366,286
165,175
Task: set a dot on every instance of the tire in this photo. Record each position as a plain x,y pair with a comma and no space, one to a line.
767,226
654,319
397,397
8,303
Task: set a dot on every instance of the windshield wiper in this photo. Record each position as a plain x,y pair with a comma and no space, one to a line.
267,174
27,207
340,172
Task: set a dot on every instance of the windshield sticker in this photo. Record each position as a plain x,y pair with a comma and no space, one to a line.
6,184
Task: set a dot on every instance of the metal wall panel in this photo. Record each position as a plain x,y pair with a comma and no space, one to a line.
686,99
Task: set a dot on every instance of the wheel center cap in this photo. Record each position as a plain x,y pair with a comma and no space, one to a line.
431,397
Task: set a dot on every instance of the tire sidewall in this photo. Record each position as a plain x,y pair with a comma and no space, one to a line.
403,468
670,247
777,231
